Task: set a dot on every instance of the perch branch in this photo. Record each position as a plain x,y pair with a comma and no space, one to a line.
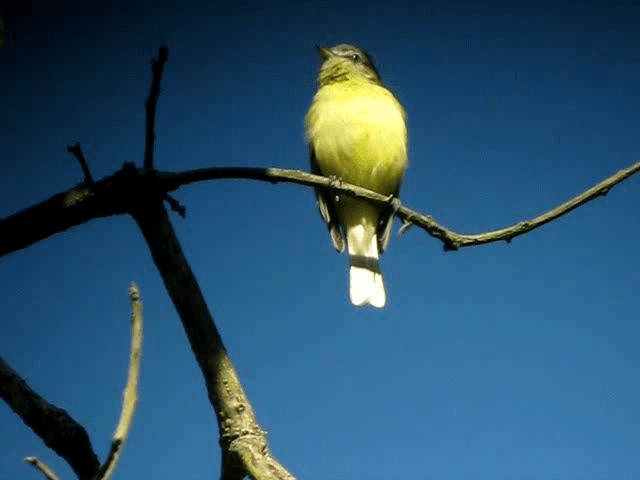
130,396
53,425
114,195
157,67
39,465
450,239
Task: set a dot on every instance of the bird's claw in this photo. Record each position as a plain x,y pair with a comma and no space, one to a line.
334,183
394,203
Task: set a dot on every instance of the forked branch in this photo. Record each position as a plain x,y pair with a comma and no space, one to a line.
62,433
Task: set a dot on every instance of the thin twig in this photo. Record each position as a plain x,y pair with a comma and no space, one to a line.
157,68
454,241
176,206
76,151
46,471
130,396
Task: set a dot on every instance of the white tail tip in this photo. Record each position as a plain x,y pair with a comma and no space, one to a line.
367,287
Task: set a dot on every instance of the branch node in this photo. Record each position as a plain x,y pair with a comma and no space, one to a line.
449,246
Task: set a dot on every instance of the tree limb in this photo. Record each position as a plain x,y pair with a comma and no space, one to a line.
236,418
53,425
115,194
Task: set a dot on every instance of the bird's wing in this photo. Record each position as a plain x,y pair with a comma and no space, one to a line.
385,226
326,207
384,232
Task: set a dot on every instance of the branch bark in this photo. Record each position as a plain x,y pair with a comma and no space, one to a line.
237,421
43,467
57,429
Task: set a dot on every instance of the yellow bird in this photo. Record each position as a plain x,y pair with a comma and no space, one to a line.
357,133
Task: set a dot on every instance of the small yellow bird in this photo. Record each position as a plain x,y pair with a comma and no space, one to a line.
357,133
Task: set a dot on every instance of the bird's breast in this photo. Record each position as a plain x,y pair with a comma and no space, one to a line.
358,133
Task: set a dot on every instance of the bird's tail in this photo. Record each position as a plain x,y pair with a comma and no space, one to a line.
365,278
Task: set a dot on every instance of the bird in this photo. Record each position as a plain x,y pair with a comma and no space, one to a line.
356,130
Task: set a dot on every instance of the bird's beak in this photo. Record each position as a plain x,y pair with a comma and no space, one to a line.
324,52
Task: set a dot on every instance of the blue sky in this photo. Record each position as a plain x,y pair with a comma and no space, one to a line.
508,362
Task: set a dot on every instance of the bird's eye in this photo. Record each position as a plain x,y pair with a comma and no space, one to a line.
356,58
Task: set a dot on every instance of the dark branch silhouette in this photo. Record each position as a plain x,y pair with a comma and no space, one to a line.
157,68
76,151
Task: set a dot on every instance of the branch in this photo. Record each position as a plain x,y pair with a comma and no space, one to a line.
451,240
76,151
130,396
46,471
78,205
116,194
238,426
53,425
157,67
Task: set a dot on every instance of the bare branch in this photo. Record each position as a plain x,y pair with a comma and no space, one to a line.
254,455
454,241
116,194
46,471
157,67
76,151
130,396
236,418
67,209
451,240
53,425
